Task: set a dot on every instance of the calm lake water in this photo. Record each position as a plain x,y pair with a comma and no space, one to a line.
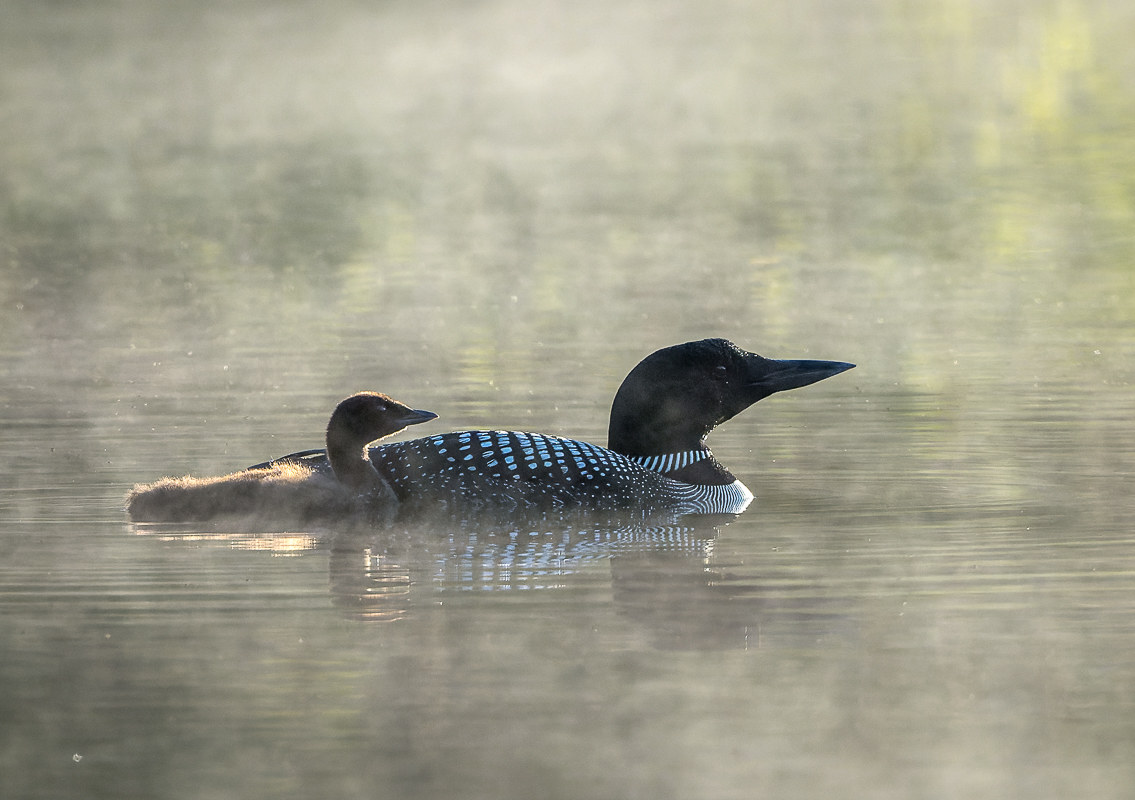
217,219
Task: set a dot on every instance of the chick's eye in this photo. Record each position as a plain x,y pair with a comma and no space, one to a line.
720,371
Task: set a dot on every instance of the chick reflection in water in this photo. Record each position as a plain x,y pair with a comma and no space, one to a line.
291,491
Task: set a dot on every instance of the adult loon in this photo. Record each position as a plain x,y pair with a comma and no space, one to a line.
292,491
656,460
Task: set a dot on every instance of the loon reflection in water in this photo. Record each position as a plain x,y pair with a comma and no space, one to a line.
656,461
288,491
679,582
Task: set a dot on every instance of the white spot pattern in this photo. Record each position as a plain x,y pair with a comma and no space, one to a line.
512,469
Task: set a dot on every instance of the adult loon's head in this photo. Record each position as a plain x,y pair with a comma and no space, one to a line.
676,396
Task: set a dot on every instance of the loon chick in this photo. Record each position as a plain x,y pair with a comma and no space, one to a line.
293,491
656,459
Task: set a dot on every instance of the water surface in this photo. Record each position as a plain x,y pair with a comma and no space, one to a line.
218,220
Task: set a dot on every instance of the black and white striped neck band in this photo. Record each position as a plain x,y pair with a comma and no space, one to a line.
669,462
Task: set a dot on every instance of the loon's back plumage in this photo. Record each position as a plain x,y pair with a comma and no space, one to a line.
657,460
471,470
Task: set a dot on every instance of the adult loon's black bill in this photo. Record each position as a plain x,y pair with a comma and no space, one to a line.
768,376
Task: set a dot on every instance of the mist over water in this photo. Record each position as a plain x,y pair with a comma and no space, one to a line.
219,219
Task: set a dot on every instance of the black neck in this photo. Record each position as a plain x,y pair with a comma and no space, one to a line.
707,472
655,437
633,436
